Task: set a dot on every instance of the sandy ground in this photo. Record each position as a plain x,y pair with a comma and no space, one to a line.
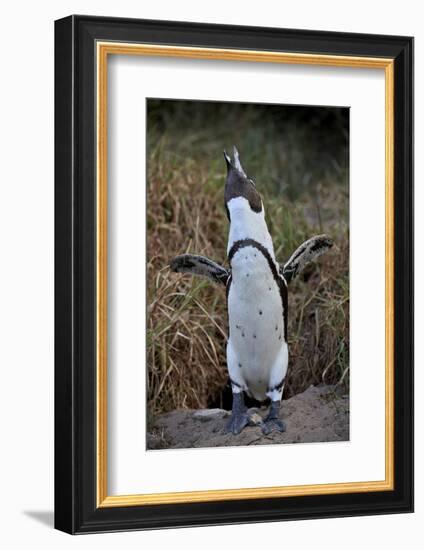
318,414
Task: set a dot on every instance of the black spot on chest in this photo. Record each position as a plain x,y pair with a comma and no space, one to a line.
281,284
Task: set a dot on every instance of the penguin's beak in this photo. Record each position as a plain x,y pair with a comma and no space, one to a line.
235,164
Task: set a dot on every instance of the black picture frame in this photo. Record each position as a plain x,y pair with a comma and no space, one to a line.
76,509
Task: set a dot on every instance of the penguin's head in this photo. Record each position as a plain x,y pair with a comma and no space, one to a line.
239,185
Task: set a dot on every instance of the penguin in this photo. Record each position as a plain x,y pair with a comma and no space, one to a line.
256,292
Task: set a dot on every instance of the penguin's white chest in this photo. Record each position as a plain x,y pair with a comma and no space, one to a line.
256,320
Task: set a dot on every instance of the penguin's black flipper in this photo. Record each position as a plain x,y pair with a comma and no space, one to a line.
199,265
305,253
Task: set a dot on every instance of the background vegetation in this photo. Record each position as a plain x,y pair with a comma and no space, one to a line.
298,158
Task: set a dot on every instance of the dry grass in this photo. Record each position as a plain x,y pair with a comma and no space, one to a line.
187,320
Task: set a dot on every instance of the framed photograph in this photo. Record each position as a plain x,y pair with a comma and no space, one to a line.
234,274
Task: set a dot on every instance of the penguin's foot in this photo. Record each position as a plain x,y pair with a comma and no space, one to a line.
236,423
239,417
272,422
